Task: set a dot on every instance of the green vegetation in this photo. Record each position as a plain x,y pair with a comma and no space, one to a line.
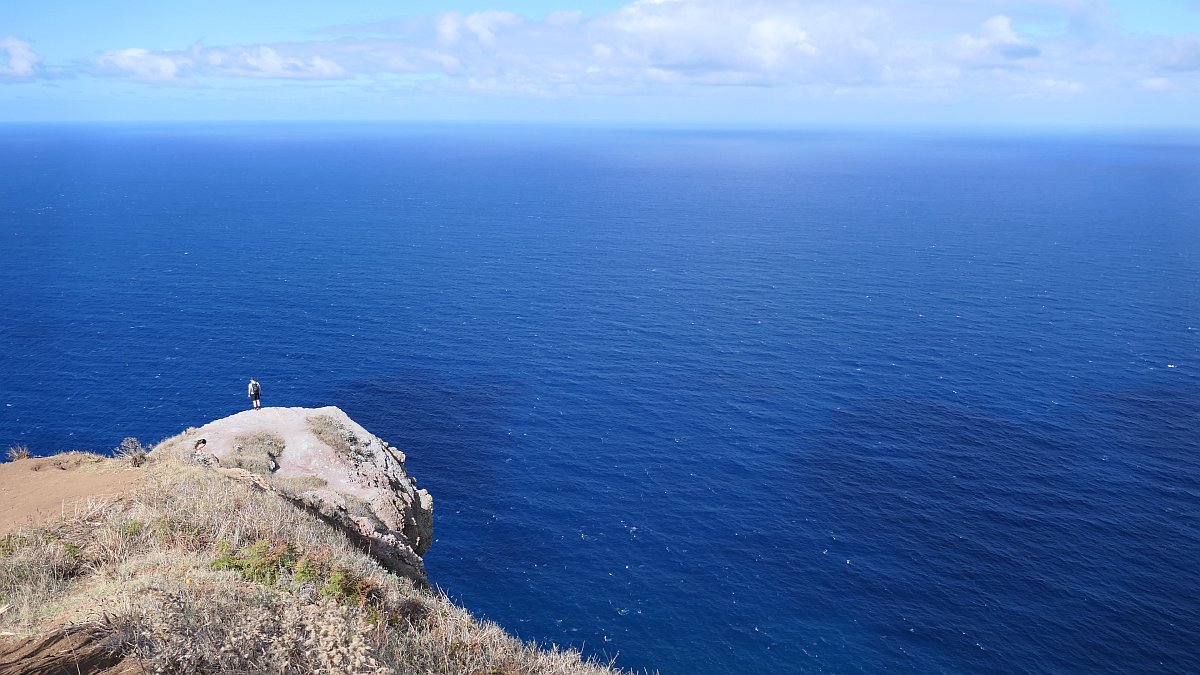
262,562
275,563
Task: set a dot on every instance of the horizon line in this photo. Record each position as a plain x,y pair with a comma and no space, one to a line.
634,125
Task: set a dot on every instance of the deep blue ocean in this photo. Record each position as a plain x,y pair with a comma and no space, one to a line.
752,402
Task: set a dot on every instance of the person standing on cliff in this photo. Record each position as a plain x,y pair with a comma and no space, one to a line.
254,391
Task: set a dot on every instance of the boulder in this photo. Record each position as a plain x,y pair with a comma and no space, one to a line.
327,463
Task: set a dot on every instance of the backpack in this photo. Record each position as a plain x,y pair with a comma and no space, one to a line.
255,388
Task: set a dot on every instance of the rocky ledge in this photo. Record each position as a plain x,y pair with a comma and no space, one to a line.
327,463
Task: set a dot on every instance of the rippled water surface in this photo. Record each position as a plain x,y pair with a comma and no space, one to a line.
711,403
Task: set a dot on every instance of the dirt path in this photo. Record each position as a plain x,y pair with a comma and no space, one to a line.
35,490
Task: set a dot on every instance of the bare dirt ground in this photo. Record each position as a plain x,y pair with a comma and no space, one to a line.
65,652
35,490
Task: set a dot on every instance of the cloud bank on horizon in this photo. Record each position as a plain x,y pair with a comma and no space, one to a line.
1043,57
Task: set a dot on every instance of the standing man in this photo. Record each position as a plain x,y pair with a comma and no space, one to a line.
253,391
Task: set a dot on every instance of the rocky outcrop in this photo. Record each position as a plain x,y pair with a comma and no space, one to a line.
327,463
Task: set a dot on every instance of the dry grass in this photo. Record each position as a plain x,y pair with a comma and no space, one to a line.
35,567
131,450
332,433
356,506
71,460
213,630
193,572
255,452
18,451
298,485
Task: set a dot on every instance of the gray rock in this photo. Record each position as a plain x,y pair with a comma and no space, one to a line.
367,492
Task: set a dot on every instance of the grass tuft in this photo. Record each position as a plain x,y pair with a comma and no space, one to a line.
333,433
298,485
131,450
255,452
18,452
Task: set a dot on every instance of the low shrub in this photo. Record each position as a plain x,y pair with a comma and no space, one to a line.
262,562
131,450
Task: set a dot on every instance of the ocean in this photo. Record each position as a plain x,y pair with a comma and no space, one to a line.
697,401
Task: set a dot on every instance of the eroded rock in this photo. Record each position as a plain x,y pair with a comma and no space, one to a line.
329,464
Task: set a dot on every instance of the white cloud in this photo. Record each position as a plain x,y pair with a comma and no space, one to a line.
1183,54
699,40
449,26
258,61
965,49
1157,84
996,45
484,25
564,19
143,65
453,27
17,59
267,62
1056,86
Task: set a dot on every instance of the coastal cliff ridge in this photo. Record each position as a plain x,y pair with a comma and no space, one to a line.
282,540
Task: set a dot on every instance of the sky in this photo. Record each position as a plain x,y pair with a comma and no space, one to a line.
1057,63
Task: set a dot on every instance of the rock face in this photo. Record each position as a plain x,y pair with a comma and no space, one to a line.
329,464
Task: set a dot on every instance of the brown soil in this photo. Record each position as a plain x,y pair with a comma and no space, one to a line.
33,491
66,652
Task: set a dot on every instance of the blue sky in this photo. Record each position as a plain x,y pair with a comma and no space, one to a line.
1079,63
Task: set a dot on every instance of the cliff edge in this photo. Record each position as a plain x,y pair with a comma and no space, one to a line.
289,541
328,463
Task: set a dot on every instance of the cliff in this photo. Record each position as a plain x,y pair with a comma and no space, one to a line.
290,541
324,461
